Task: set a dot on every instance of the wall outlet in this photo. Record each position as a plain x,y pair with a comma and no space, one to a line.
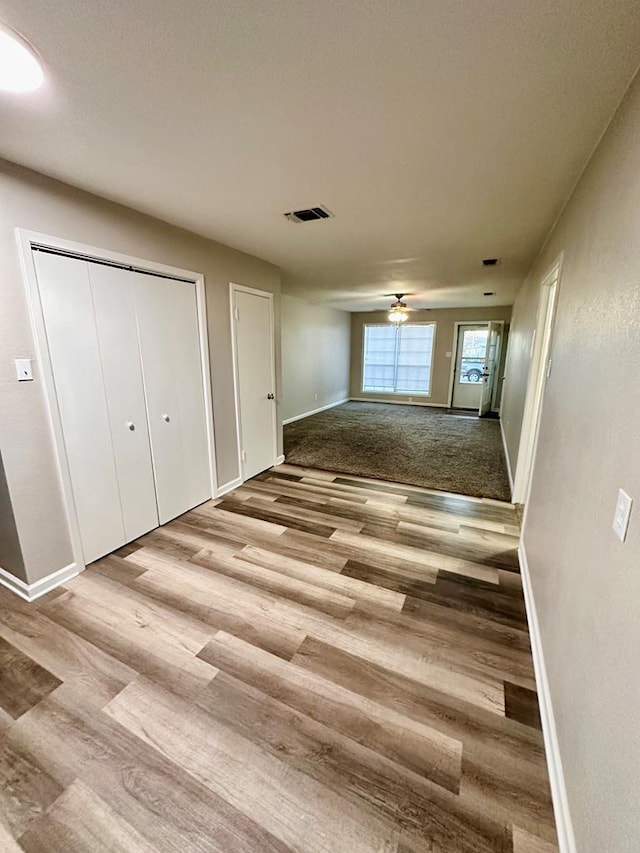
622,514
315,397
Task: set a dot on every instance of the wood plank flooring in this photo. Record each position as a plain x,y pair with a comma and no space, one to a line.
312,663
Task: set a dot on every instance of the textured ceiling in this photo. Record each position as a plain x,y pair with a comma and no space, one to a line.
438,132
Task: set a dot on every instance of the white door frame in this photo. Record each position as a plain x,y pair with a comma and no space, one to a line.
454,351
539,371
26,240
241,288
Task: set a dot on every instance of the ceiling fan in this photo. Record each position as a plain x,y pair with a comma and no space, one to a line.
398,312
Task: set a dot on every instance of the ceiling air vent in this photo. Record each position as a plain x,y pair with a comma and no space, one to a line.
308,214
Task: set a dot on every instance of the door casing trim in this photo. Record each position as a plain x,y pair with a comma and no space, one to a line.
541,349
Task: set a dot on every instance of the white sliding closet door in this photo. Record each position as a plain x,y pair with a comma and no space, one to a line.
170,349
67,305
114,306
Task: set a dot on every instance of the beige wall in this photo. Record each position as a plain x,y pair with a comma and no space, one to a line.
586,583
315,356
441,373
40,204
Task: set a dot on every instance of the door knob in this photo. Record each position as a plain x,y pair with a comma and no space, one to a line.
166,418
270,397
131,425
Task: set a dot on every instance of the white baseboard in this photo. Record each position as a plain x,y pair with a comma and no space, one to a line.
566,839
228,487
506,456
280,459
314,412
399,402
31,591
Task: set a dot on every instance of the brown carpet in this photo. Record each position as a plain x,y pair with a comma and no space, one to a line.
404,444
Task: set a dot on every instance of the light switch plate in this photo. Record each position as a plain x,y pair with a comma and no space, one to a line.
23,369
621,516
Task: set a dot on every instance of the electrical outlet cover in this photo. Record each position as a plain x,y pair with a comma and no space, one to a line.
622,514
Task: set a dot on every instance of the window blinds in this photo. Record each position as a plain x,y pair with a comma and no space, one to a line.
397,359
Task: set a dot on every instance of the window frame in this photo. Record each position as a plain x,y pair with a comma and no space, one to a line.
425,394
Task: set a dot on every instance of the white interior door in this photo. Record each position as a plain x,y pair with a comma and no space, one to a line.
72,339
470,354
255,376
490,367
114,308
170,348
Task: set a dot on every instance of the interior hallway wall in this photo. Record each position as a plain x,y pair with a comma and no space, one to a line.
586,583
316,343
31,201
445,319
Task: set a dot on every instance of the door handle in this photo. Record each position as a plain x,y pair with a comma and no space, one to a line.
131,425
166,418
270,397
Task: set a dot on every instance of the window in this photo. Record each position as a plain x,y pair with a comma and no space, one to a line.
474,349
397,359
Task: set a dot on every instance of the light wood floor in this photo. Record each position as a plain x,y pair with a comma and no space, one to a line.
313,663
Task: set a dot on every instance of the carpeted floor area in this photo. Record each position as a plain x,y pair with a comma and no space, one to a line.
404,444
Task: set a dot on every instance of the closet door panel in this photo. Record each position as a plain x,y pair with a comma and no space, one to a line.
72,340
114,306
154,328
185,345
169,344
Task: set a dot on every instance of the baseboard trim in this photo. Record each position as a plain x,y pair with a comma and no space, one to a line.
31,591
280,459
506,457
399,402
313,412
566,839
228,487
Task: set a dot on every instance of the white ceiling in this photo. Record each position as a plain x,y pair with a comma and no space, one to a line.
439,132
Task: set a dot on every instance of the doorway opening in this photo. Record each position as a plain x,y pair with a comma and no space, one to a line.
475,371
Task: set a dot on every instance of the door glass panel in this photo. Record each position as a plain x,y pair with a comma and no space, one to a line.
474,347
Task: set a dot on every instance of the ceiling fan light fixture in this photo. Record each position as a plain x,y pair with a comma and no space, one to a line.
398,312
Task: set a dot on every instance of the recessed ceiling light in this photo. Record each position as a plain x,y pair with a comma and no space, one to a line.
20,69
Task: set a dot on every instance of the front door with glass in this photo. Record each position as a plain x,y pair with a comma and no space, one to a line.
470,365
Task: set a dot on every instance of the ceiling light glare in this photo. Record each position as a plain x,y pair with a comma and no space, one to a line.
20,69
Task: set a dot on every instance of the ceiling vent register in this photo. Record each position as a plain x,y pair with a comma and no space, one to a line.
309,214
